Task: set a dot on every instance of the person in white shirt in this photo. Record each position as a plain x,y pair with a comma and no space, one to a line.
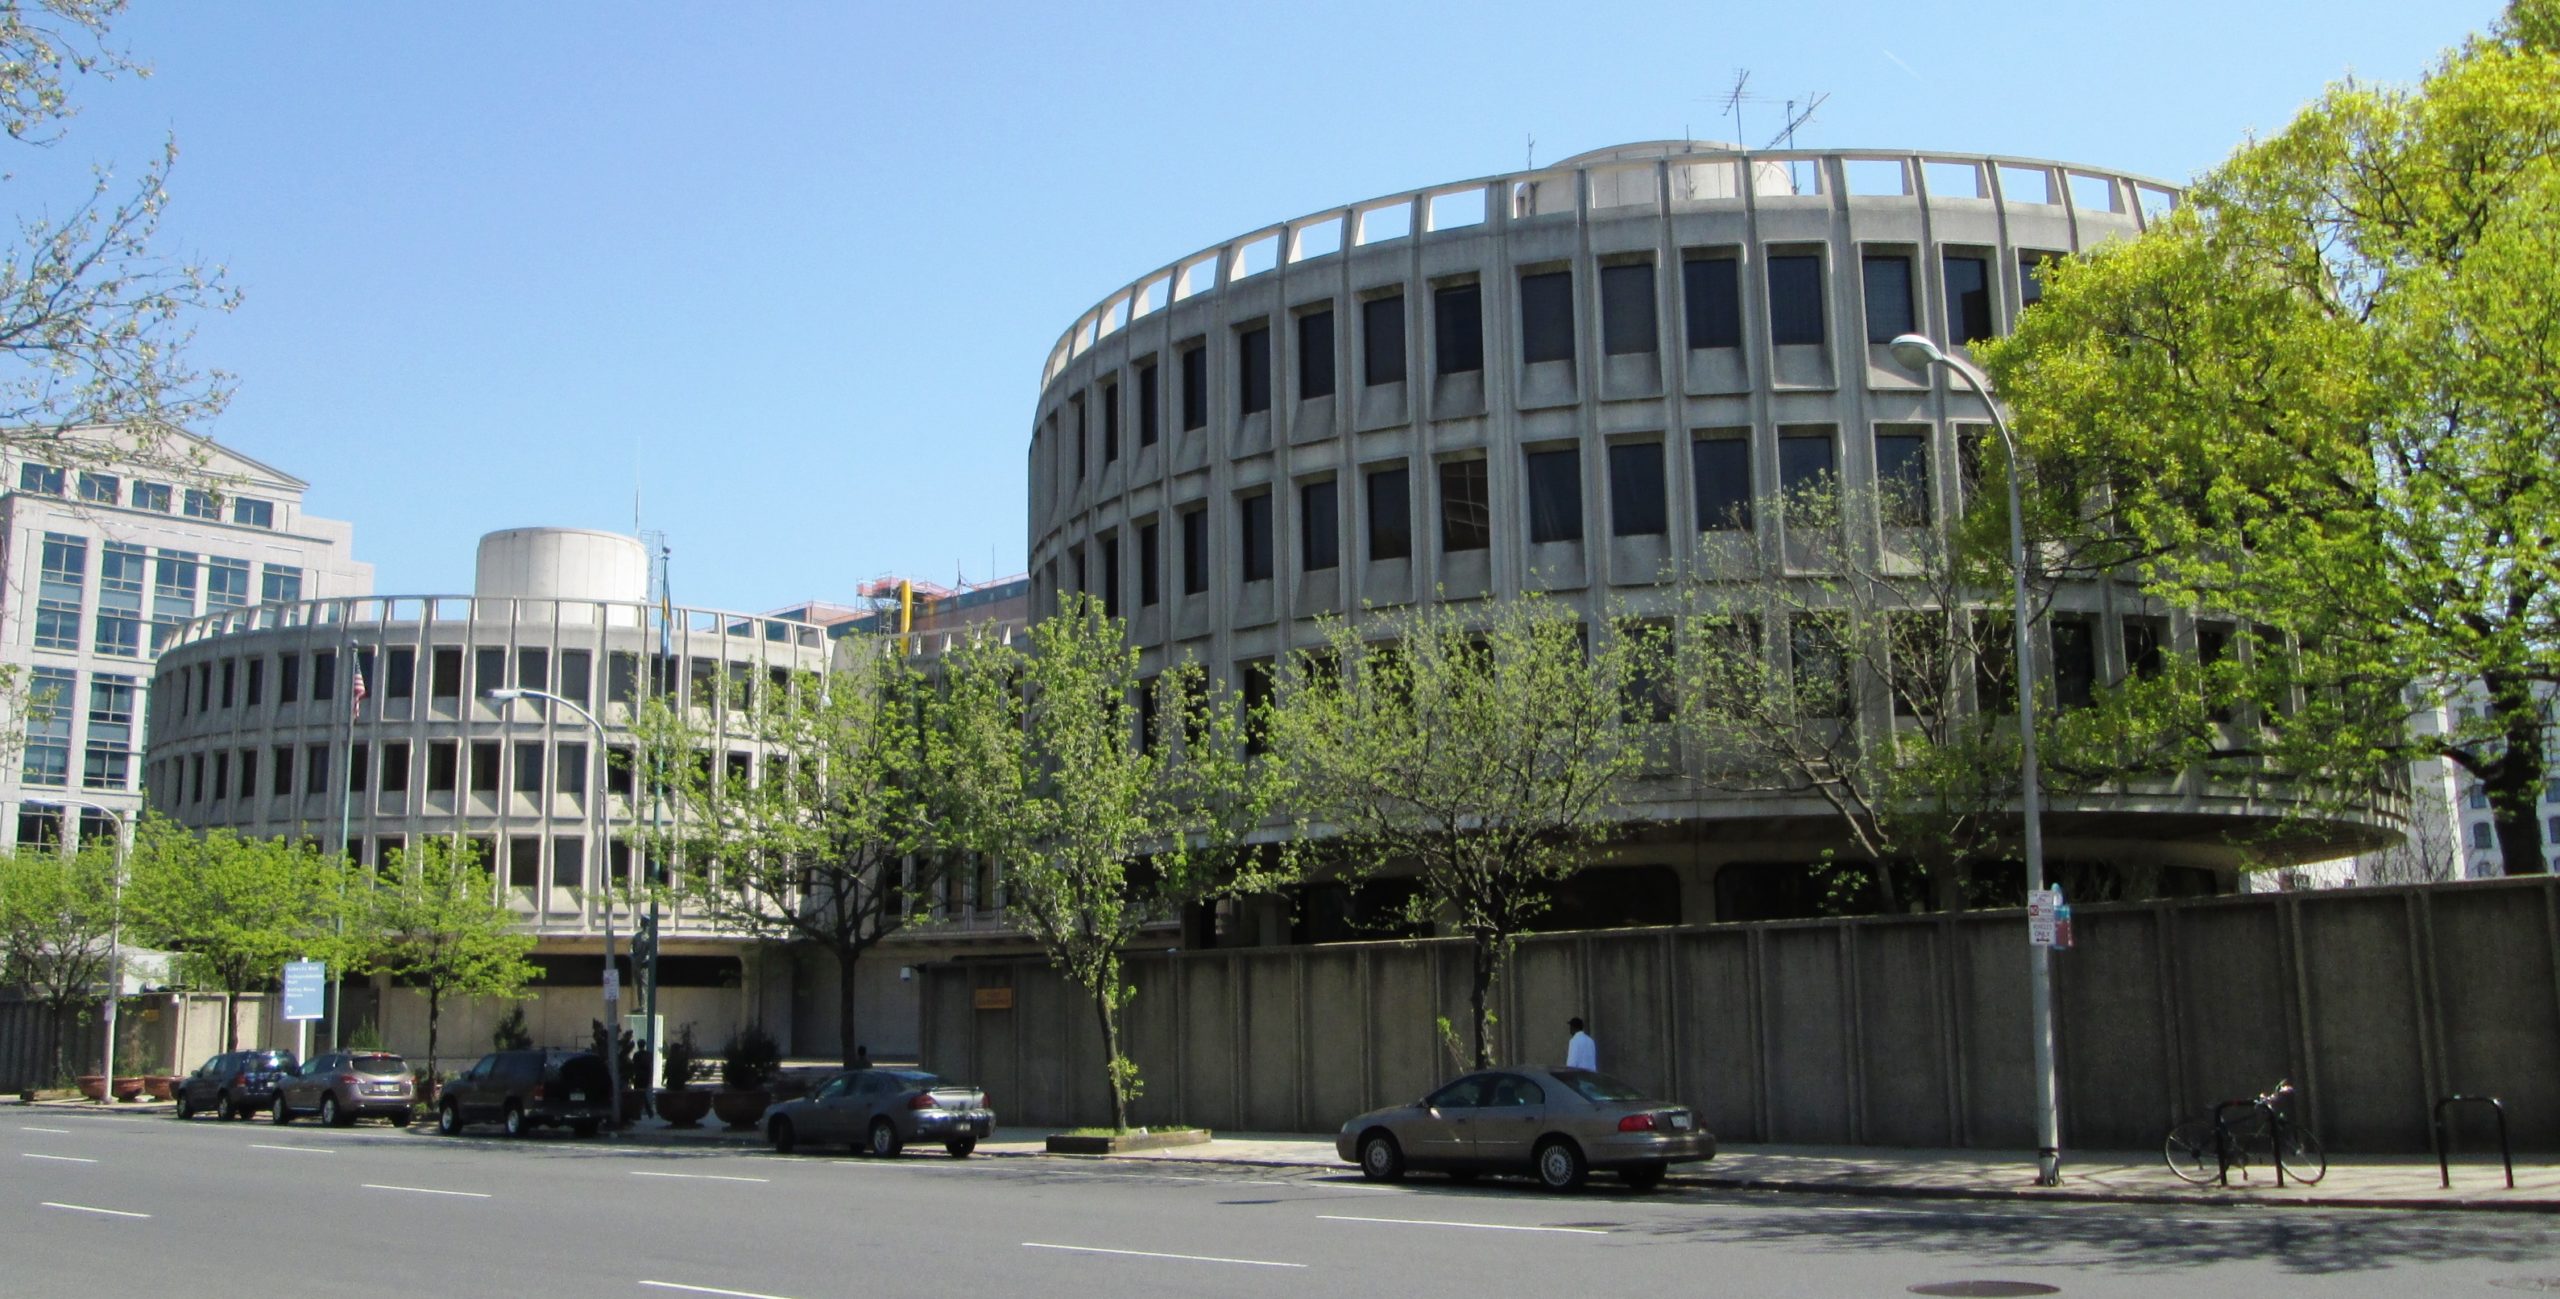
1580,1052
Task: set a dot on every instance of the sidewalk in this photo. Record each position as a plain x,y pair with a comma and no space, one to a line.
2375,1182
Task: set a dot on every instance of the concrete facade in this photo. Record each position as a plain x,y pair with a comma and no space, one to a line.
1568,381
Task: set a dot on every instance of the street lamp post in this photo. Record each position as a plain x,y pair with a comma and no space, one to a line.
115,931
604,872
1916,352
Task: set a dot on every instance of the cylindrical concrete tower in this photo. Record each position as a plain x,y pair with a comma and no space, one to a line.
562,564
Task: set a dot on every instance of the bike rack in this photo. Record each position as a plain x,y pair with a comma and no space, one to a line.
2444,1157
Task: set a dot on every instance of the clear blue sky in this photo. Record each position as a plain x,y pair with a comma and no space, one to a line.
793,269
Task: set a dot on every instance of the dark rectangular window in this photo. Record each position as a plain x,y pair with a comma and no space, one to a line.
1148,418
2142,648
1902,476
1466,505
576,666
324,675
395,766
1712,301
2032,264
1195,388
524,861
1457,329
1888,280
2075,662
249,772
1721,468
1626,309
401,680
1150,567
257,677
1637,507
1555,495
359,764
484,766
1390,513
1253,370
1110,422
489,670
1111,576
444,672
1968,299
1806,475
315,768
1253,523
1195,552
289,679
1319,527
280,770
1254,676
621,677
528,773
1546,316
1795,299
230,670
441,756
1084,448
1315,354
569,770
1382,340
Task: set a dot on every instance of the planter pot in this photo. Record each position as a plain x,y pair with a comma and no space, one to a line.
93,1086
129,1089
741,1109
1125,1142
160,1086
684,1109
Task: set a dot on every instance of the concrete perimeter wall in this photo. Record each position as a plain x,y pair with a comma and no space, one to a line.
1901,1031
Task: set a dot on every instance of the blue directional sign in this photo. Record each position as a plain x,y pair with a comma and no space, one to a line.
306,989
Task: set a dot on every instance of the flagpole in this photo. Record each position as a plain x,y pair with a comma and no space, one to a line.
346,858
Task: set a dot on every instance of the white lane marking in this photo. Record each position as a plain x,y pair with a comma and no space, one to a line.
1138,1177
1478,1226
59,1132
295,1150
59,1159
83,1208
703,1177
427,1190
1148,1253
704,1289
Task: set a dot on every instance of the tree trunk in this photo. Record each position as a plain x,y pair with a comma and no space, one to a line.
435,1006
230,1019
1111,1057
2514,783
845,966
1480,1024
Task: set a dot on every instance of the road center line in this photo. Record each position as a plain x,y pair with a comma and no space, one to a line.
427,1190
703,1177
1148,1253
59,1132
1478,1226
59,1159
83,1208
704,1289
294,1150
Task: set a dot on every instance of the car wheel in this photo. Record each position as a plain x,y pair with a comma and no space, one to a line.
184,1111
1642,1177
585,1129
279,1112
884,1138
449,1120
1381,1159
331,1115
222,1108
960,1149
780,1134
1560,1165
516,1126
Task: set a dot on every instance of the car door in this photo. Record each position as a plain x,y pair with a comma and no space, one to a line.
829,1115
1437,1135
200,1085
470,1092
1505,1131
871,1092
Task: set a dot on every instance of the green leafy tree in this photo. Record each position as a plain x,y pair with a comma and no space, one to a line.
432,920
836,842
1483,747
2323,398
234,909
1103,823
94,320
57,915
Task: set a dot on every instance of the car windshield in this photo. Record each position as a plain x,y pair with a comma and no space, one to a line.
1598,1087
914,1078
271,1060
380,1064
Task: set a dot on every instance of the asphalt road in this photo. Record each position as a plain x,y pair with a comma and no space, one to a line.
115,1205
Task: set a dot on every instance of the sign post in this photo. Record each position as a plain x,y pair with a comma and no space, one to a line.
306,998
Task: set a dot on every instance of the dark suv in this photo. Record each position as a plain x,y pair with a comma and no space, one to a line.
343,1086
524,1090
234,1084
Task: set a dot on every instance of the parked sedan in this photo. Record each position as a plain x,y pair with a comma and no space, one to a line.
882,1110
344,1086
234,1084
1557,1124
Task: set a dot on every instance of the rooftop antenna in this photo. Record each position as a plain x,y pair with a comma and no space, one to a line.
1735,98
1786,136
1531,164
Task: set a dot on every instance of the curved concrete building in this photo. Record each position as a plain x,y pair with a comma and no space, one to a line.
250,729
1590,380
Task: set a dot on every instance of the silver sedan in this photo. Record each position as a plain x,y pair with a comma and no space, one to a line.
1557,1124
882,1111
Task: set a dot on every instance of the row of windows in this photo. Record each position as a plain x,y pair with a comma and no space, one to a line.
1720,479
2485,835
1711,307
439,767
53,699
215,685
62,585
108,489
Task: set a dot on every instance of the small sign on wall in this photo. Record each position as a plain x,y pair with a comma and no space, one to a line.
992,998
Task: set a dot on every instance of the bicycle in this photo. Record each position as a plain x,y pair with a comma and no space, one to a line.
2202,1151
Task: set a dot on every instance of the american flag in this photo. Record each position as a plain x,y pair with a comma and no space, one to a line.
355,694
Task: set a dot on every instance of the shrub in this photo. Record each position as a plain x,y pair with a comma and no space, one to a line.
750,1059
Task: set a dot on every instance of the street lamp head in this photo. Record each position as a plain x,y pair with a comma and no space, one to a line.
1916,352
501,695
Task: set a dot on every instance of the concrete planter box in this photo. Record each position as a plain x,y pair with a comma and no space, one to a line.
1127,1142
683,1109
741,1109
160,1086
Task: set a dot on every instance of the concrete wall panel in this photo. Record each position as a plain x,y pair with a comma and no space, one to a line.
1902,1045
1809,1085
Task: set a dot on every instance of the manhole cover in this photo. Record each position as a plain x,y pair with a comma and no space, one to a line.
2544,1284
1985,1289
